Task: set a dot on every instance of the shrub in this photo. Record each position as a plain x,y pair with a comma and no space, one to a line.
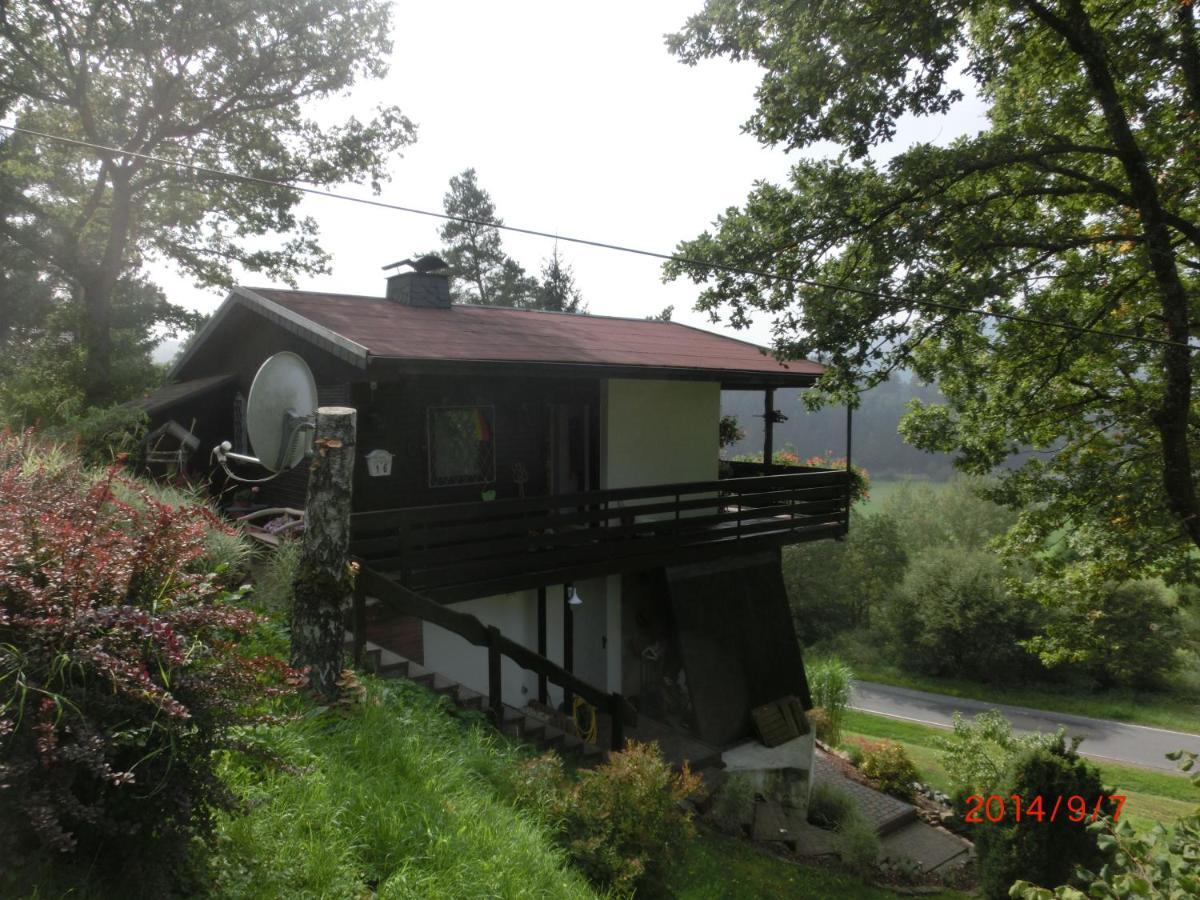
1159,862
831,684
626,815
1117,633
119,673
980,752
955,616
829,805
843,586
1046,851
888,765
858,844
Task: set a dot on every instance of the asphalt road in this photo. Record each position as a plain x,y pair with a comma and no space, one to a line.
1103,739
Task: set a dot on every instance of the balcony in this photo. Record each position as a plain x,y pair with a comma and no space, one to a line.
463,550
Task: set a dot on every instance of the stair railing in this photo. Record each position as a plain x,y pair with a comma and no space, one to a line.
408,602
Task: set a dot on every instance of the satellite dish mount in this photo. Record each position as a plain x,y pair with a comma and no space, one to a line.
280,417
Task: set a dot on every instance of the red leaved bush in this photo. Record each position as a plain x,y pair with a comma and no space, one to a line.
119,670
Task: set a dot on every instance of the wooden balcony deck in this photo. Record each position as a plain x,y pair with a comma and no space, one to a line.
462,550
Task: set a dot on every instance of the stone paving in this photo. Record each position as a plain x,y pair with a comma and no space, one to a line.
885,812
903,836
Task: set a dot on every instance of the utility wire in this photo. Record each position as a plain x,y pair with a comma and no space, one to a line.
604,245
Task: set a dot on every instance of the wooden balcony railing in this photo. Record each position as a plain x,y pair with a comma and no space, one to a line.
461,550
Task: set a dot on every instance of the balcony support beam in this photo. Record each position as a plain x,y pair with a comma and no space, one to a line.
769,430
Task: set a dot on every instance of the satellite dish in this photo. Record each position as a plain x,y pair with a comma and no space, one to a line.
280,410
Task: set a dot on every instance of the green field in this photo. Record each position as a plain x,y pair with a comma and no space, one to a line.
882,488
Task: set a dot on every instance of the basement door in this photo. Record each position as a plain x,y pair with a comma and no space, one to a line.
734,631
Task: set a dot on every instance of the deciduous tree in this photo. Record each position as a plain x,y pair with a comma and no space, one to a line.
1077,205
223,85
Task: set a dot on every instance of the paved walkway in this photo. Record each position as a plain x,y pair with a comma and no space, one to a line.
1103,739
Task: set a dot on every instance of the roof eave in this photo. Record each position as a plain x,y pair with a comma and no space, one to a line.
732,379
338,345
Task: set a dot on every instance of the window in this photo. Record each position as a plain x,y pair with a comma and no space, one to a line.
462,448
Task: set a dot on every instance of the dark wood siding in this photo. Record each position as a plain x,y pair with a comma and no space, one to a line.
392,417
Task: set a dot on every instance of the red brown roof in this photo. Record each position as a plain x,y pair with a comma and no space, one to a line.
501,334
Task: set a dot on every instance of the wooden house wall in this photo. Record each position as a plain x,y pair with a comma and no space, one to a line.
239,346
395,420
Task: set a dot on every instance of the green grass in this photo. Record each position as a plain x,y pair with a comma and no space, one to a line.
1159,710
395,798
716,867
1150,796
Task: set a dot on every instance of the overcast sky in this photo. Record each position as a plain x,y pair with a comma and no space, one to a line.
579,122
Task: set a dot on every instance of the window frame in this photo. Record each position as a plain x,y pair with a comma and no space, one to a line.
430,412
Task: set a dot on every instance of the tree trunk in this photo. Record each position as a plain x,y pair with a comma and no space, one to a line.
323,581
97,289
1171,417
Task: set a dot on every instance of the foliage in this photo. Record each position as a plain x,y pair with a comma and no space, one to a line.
218,85
888,765
396,797
729,431
1120,634
858,844
954,514
481,272
1076,205
1045,849
831,684
954,615
274,579
557,291
625,816
860,478
829,805
1159,862
100,435
663,316
842,586
119,673
981,752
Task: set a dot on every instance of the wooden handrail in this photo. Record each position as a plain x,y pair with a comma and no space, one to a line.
473,631
379,520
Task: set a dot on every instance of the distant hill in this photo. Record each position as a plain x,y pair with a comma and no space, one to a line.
877,444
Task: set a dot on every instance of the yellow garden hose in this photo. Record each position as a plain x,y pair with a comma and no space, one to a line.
588,734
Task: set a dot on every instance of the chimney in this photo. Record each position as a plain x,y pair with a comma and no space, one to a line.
427,284
419,289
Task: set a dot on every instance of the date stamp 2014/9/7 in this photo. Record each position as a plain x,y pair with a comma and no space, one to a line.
995,807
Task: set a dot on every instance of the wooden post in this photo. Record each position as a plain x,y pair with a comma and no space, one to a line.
323,580
543,690
617,705
359,625
568,644
495,688
849,475
769,430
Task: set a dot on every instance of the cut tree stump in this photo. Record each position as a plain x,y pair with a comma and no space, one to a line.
323,578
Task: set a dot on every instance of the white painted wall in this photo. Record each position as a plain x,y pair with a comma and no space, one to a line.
658,432
516,617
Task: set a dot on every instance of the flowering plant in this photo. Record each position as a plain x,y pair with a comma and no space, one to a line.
119,664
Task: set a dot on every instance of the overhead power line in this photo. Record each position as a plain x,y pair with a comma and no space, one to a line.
604,245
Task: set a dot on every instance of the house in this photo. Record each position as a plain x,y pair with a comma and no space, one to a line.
555,475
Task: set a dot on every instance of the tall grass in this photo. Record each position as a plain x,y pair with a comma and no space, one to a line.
393,799
831,683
